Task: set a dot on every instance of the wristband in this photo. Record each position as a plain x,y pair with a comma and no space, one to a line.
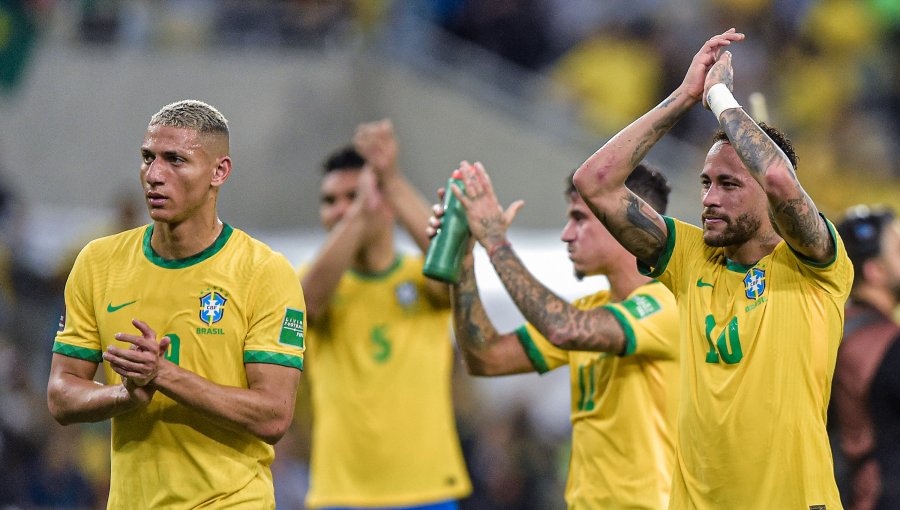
720,99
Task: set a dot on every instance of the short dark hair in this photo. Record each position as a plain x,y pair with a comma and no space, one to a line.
345,158
780,139
862,229
645,181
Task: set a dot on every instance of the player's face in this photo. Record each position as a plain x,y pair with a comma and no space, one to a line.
179,172
589,244
734,203
338,192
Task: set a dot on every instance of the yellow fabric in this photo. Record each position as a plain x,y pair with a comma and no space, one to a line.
613,79
383,425
623,407
166,455
758,354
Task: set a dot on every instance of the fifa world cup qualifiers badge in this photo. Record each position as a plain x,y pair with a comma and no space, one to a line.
292,328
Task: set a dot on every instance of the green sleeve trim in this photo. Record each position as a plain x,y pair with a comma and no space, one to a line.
630,340
531,350
274,358
73,351
834,241
660,266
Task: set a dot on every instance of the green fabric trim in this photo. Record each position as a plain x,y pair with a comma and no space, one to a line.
531,350
664,257
73,351
380,274
211,250
737,267
274,358
630,340
813,263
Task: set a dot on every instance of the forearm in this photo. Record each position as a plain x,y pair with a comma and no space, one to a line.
559,321
411,208
75,400
260,411
330,263
796,216
485,351
611,164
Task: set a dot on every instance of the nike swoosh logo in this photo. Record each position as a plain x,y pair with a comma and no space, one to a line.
701,283
110,308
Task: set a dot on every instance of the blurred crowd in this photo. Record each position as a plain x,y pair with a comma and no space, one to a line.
828,71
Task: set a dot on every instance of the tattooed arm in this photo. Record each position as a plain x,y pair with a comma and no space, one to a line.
601,178
561,323
485,351
793,213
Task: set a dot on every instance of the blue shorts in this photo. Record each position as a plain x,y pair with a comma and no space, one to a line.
443,505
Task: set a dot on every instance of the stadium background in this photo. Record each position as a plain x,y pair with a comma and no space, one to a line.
529,87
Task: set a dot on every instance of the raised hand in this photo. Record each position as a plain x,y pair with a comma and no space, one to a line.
140,363
377,144
720,72
695,78
488,222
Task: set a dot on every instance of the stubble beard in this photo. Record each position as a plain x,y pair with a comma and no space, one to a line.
743,229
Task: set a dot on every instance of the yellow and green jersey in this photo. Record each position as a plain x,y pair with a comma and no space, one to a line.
236,302
623,407
380,367
758,352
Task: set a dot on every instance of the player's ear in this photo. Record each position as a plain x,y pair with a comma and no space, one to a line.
222,171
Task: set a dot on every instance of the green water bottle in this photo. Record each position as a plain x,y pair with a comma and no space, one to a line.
447,248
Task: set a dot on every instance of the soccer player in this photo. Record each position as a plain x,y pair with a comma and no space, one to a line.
201,329
760,289
624,395
867,373
381,359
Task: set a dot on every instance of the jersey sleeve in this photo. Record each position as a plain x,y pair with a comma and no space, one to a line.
78,335
681,239
835,276
543,354
278,316
649,319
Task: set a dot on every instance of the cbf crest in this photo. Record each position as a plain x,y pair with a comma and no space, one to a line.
755,283
212,306
406,294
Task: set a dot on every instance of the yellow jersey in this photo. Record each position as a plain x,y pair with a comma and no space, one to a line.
380,365
234,303
758,352
623,407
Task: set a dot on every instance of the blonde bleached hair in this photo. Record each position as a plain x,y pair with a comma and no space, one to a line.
192,114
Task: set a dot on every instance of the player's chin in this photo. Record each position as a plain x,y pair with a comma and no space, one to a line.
161,215
714,239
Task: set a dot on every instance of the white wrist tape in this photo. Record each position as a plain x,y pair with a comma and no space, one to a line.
720,99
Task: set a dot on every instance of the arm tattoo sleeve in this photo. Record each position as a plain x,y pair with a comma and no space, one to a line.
796,219
476,328
637,231
559,321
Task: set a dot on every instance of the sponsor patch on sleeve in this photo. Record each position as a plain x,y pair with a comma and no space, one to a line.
292,328
641,305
